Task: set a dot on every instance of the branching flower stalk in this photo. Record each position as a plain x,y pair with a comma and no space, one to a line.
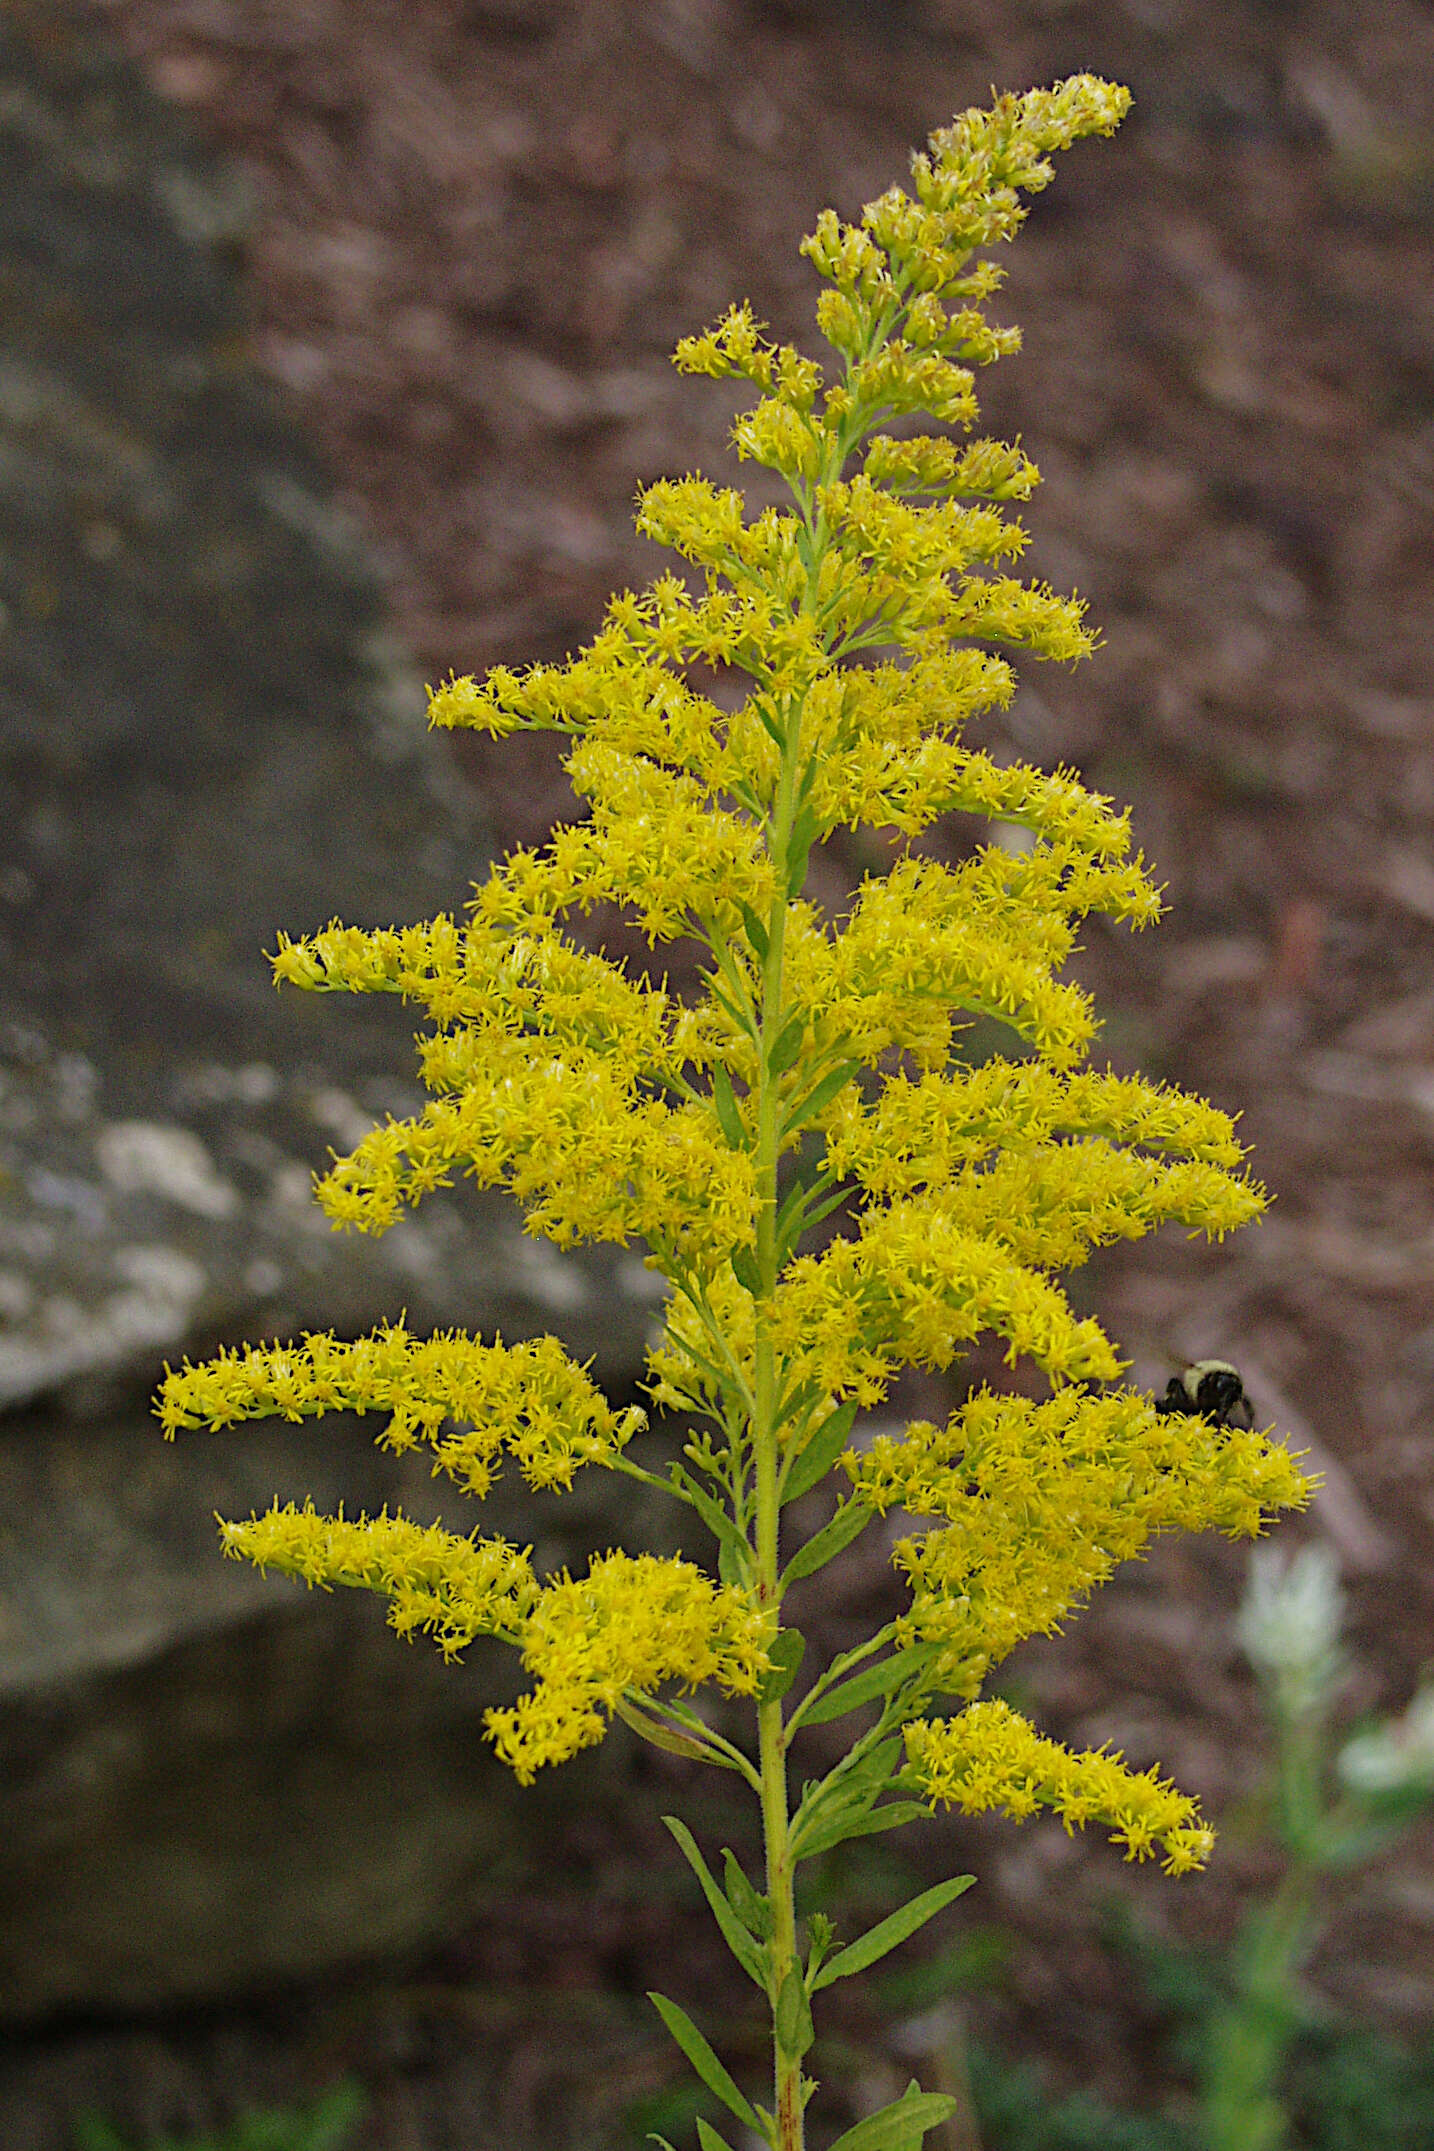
819,1074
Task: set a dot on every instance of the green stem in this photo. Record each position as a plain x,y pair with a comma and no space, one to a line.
781,1895
772,1740
1250,2037
771,1736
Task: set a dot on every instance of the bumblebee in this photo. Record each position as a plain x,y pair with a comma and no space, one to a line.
1211,1389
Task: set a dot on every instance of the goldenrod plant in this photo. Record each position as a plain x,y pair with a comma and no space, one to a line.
816,667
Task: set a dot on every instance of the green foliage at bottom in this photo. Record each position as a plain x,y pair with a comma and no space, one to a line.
672,2111
1016,2113
1345,2090
324,2126
1358,2091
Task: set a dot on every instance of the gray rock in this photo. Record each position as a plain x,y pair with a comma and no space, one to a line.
215,1781
206,735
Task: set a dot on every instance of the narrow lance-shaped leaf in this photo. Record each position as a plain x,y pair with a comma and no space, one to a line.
730,1566
659,1735
834,1201
878,1680
702,2058
718,1522
786,1651
900,2126
724,1098
831,1084
795,2031
851,1519
801,1210
889,1932
767,721
708,2137
752,1909
751,1957
858,1822
791,1218
866,1769
788,1044
739,1017
794,1405
855,1784
804,832
756,932
821,1452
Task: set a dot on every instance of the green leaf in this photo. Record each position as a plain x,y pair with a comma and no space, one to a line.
658,1734
853,1785
900,2126
851,1519
790,1224
821,1452
702,2058
709,2139
768,723
786,1651
866,1687
797,1402
718,1522
724,1098
801,1210
795,2032
654,2138
871,1770
756,931
752,1909
799,845
822,1094
888,1932
825,1209
858,1822
787,1044
752,1959
791,1219
741,1018
744,1269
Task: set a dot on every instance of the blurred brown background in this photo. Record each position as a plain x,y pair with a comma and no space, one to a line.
424,264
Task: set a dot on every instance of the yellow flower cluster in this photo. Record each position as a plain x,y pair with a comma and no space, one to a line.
911,1286
467,1401
630,1623
452,1588
989,1757
1041,1501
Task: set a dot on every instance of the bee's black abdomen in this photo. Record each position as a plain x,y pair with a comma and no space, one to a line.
1220,1395
1213,1390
